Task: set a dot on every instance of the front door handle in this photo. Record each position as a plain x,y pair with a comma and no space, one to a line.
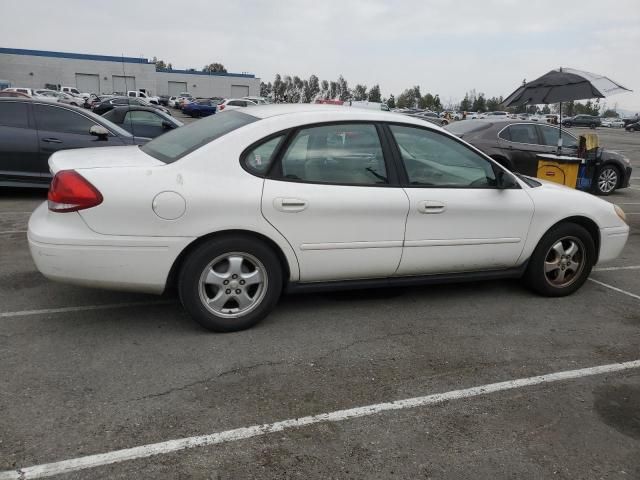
431,206
289,204
52,140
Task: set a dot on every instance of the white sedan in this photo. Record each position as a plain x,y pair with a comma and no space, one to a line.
235,208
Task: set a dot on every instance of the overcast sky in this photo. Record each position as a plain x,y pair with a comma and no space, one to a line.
445,47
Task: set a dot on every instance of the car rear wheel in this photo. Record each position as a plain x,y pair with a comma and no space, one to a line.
568,124
230,284
607,180
592,125
562,261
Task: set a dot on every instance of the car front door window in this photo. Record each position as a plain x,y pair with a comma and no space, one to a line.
432,159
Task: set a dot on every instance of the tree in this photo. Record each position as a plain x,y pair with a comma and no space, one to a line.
360,92
333,90
493,104
214,67
160,64
374,94
324,89
278,88
426,101
609,113
465,104
343,89
479,104
314,88
437,104
265,89
391,101
546,110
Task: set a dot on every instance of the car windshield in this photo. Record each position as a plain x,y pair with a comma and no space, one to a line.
177,143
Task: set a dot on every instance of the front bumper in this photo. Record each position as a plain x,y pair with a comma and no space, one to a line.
612,241
64,248
627,178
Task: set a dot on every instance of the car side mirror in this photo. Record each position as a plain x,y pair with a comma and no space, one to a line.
100,132
505,180
167,125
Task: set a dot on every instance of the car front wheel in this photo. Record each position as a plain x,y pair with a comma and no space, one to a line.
562,261
607,180
230,284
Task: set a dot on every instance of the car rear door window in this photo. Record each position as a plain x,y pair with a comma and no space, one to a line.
259,159
344,154
550,137
432,159
141,117
56,119
14,114
523,133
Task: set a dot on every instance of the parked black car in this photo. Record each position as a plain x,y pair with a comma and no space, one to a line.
633,127
515,144
142,121
31,130
164,100
582,121
106,105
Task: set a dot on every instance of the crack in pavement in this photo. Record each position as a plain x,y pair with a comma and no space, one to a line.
246,368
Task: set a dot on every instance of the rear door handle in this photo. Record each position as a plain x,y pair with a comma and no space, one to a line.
431,206
51,140
289,204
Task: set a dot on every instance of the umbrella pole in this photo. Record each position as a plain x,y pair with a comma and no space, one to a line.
560,134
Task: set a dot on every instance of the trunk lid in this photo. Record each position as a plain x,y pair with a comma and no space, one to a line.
102,157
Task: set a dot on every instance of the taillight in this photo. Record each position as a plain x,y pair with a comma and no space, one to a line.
70,192
221,107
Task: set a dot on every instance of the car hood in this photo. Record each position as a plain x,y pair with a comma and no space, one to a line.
101,157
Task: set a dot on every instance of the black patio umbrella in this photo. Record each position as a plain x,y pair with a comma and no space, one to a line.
563,85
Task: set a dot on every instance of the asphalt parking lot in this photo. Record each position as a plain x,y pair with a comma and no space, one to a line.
88,372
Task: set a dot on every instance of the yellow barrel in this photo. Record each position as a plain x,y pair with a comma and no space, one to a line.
559,169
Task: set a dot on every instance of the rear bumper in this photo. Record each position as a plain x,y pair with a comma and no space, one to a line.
612,241
65,249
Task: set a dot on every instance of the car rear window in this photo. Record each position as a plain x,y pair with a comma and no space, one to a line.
467,126
177,143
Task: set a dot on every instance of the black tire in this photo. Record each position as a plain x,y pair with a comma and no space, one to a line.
536,277
444,123
592,125
604,179
568,124
192,271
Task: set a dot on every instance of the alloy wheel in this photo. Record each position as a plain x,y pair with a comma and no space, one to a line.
607,180
564,262
233,284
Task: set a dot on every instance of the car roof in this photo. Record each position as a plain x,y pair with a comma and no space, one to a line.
338,111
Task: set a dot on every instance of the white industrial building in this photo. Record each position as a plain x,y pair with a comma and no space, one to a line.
109,74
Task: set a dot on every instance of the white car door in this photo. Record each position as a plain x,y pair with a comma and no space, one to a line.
331,197
459,220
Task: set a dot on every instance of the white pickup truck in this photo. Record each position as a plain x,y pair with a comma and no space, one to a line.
74,91
138,94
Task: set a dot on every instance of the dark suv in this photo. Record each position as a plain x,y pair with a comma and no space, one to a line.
31,131
582,121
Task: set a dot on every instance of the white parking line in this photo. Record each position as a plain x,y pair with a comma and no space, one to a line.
615,289
86,308
10,232
16,213
613,269
143,451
